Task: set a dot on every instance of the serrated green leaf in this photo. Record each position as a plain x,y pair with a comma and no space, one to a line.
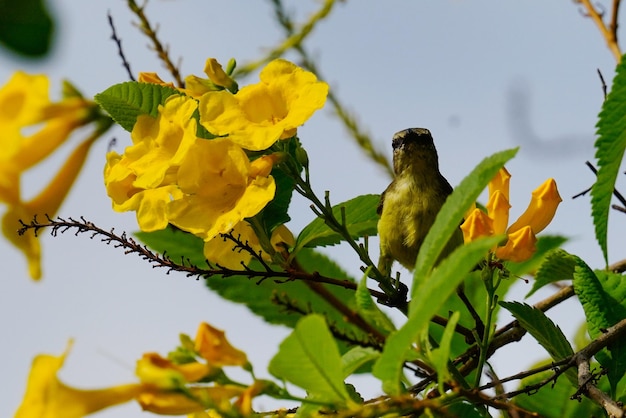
593,298
614,287
309,358
356,357
610,147
450,216
126,101
558,265
546,332
603,310
369,310
26,27
431,293
361,219
258,298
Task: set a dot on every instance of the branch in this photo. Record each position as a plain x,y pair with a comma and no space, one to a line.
609,33
362,138
586,381
120,51
151,33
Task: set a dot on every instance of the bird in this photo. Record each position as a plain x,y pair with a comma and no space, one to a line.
409,205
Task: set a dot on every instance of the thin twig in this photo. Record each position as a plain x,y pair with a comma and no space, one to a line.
587,387
609,33
120,51
361,137
60,225
151,33
604,87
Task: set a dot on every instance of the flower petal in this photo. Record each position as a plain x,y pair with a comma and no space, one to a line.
520,245
47,397
498,210
500,182
477,224
543,204
212,345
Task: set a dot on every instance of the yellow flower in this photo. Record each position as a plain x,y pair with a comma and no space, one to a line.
261,114
216,74
519,247
153,78
47,397
144,178
212,345
46,203
221,186
477,225
195,401
155,370
222,251
521,235
24,104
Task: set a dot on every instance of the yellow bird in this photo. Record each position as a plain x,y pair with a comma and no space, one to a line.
409,205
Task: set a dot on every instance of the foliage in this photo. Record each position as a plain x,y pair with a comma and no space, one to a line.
211,174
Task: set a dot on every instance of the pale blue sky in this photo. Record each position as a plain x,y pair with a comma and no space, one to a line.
459,68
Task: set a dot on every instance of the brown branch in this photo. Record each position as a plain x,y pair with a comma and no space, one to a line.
120,51
618,267
586,381
512,332
362,138
131,246
609,33
161,50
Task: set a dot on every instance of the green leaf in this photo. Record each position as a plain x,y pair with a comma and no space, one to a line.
369,310
610,147
595,301
26,27
356,358
547,334
466,410
430,294
450,216
558,265
309,358
440,356
126,101
361,219
276,212
602,311
260,297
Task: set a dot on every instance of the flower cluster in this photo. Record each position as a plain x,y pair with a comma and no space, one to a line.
32,129
190,382
209,187
521,235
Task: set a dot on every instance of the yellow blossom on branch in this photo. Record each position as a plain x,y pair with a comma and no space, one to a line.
263,113
155,370
212,345
24,105
521,235
221,188
47,397
223,252
169,175
144,178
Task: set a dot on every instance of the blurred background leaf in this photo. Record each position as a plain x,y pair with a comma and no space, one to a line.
26,27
